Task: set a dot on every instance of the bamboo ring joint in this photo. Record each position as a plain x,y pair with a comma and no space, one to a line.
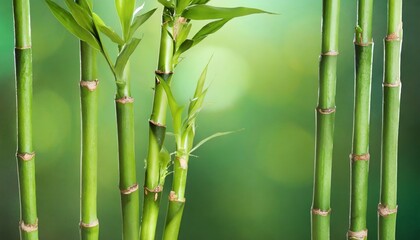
90,85
160,72
330,53
130,189
326,111
360,235
156,124
29,227
174,198
125,100
24,47
384,211
392,85
89,225
26,156
361,157
392,37
362,44
156,191
320,212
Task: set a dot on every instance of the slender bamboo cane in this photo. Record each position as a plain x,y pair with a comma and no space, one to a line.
157,130
25,152
89,224
360,152
387,208
325,121
127,165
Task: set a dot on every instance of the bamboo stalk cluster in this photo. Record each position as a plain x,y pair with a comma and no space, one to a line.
360,155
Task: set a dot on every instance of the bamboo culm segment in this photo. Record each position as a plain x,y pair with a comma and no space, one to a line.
325,121
25,153
89,225
157,130
390,123
360,157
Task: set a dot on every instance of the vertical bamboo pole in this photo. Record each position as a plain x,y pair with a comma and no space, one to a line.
157,130
25,153
325,121
89,224
387,208
360,152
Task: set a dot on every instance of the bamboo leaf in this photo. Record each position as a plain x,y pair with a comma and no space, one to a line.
167,3
124,55
86,5
67,20
139,20
187,44
109,32
182,4
219,134
125,9
208,29
81,15
204,12
176,110
199,2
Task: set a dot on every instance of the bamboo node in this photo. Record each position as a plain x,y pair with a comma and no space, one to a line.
24,47
29,227
130,189
89,225
125,100
384,211
392,37
90,85
26,156
392,85
362,44
330,53
156,191
182,162
320,212
156,124
174,198
360,235
360,157
161,73
326,111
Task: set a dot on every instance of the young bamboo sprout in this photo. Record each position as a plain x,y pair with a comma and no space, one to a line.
25,153
86,25
325,121
176,26
360,154
387,209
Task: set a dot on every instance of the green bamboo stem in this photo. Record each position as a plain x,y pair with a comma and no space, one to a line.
360,151
127,164
25,152
157,130
387,208
325,121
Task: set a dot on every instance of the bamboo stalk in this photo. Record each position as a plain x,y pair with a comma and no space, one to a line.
387,208
89,224
325,121
360,151
127,165
25,153
157,129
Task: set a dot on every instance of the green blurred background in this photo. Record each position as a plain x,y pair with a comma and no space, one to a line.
255,184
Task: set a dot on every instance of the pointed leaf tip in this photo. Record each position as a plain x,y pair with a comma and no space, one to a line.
205,12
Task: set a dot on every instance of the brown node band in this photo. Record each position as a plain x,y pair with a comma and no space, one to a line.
183,163
156,124
360,235
26,156
361,157
29,227
384,211
362,44
130,189
325,111
90,85
392,37
24,47
89,225
320,212
125,100
160,72
174,198
330,53
392,85
156,191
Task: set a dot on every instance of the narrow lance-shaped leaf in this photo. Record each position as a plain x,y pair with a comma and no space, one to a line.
109,32
67,20
199,2
204,12
208,29
219,134
86,5
176,110
125,9
81,15
181,5
124,55
139,20
167,3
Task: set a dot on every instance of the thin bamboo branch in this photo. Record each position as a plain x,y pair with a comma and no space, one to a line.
387,208
325,121
360,151
25,152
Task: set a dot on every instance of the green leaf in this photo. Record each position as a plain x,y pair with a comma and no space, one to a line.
175,109
125,10
81,15
109,32
167,3
219,134
164,162
204,12
208,29
67,20
187,44
199,2
86,5
139,20
181,5
124,55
